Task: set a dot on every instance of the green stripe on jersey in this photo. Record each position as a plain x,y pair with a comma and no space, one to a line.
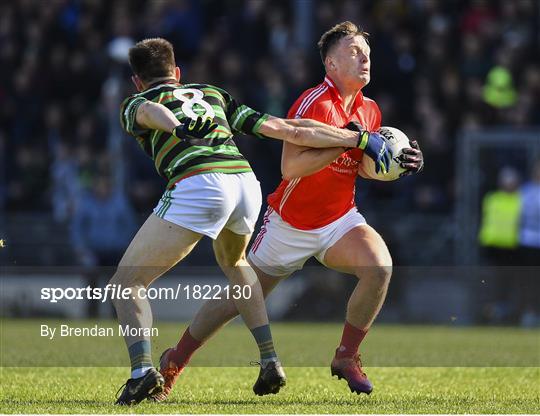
240,115
258,125
174,158
233,166
213,93
197,151
165,148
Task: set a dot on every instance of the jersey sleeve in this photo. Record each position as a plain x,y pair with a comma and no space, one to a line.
242,118
128,112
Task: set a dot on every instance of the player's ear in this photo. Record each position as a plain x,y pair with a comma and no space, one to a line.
177,73
329,63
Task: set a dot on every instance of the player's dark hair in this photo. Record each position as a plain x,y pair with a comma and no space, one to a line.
152,58
339,31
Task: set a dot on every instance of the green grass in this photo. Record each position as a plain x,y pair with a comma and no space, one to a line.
415,369
309,390
298,344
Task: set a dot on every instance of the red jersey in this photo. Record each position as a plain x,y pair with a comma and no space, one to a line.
317,200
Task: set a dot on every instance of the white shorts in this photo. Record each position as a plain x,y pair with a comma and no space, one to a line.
280,249
209,202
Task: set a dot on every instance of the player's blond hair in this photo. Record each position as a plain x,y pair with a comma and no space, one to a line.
339,31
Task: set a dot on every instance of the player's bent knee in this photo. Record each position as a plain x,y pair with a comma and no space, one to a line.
124,278
382,274
378,274
231,261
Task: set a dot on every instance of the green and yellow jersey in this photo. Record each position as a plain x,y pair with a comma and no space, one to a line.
177,159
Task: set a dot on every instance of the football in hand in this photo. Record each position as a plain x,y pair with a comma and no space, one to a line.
396,141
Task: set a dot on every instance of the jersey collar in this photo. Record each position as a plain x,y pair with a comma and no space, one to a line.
167,81
336,96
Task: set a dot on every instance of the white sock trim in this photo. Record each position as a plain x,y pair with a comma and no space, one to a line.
140,372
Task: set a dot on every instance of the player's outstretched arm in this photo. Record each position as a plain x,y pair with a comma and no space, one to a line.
299,161
309,133
156,116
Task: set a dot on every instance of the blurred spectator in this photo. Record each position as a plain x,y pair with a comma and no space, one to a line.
102,227
529,240
498,236
529,230
27,191
64,182
499,90
103,224
500,218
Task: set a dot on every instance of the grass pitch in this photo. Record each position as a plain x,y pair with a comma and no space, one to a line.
433,387
309,390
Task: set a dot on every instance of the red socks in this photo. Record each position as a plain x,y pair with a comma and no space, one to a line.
185,348
350,341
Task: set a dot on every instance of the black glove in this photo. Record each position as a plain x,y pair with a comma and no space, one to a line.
373,146
412,159
194,129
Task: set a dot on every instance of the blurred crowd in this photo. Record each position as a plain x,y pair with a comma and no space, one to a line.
437,67
510,238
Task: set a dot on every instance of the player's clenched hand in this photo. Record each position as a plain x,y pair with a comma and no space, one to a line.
412,159
194,129
373,146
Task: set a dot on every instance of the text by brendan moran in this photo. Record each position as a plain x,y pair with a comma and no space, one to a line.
64,330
